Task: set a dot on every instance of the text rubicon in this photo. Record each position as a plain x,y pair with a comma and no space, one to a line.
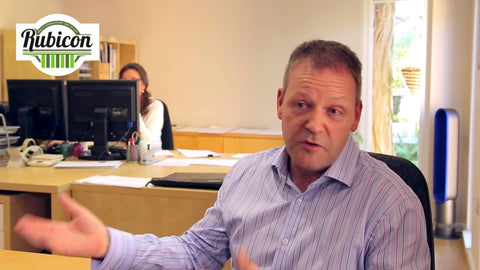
57,44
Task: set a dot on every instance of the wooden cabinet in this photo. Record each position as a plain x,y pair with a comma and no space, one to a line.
124,51
226,142
13,206
2,228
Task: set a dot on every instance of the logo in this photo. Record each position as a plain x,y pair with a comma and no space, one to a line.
57,44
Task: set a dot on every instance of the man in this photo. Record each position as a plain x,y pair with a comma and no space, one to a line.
317,203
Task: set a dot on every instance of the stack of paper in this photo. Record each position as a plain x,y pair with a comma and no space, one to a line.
109,164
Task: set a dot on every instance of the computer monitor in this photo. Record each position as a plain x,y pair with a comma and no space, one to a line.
102,111
37,106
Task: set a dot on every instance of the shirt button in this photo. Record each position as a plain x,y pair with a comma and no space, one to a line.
285,241
299,201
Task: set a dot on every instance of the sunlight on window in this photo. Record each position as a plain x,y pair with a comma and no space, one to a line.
400,29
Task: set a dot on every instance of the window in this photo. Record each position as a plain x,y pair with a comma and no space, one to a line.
398,63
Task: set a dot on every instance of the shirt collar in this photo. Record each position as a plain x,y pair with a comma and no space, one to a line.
342,169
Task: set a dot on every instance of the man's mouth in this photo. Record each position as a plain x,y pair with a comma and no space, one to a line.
311,143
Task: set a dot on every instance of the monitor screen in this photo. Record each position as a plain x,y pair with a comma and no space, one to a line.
102,111
37,106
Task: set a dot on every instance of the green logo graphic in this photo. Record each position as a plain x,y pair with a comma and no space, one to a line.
57,44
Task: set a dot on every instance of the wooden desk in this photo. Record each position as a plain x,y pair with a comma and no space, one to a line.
226,142
44,180
19,260
162,211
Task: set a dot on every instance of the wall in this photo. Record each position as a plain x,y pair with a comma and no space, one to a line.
217,62
450,83
453,83
213,62
30,11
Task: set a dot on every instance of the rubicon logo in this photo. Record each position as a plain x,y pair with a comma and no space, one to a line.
57,44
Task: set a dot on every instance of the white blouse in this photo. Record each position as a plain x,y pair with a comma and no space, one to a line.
151,124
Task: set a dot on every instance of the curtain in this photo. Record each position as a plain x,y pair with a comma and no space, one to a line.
382,99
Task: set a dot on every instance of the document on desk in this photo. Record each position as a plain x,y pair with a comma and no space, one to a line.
89,164
114,180
183,162
197,153
163,153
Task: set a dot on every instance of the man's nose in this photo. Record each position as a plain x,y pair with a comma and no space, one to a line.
316,122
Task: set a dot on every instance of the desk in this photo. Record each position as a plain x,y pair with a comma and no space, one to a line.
226,142
40,187
157,210
162,211
44,180
19,260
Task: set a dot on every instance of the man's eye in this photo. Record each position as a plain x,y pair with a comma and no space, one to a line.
301,105
334,111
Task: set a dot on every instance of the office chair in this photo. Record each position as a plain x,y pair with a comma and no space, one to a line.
414,178
167,136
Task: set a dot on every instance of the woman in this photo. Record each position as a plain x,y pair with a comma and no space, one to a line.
151,109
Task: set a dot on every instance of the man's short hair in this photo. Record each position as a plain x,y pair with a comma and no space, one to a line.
327,54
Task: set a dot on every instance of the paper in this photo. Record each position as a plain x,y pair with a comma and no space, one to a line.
210,129
113,180
163,153
182,162
246,131
240,155
197,153
86,164
214,162
215,130
270,132
173,162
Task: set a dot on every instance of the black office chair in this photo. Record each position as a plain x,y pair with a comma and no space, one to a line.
414,178
167,135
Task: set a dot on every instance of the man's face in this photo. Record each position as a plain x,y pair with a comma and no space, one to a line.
318,112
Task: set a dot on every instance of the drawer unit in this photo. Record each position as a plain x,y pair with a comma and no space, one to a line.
13,205
2,241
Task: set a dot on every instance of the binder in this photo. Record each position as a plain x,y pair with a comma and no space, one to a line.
197,180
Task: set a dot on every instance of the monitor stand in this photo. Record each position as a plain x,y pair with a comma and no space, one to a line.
112,154
100,149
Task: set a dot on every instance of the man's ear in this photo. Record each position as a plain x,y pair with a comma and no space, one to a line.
358,113
280,96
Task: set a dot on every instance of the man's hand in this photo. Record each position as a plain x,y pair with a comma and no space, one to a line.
83,236
244,262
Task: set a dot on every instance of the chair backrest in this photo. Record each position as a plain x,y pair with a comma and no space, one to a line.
414,178
167,135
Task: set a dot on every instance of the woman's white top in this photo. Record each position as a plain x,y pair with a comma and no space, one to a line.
151,124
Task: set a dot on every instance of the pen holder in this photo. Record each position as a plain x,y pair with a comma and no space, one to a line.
133,153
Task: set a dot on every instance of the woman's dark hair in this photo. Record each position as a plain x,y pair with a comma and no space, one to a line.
145,97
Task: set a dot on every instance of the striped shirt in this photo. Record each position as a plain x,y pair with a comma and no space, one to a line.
358,215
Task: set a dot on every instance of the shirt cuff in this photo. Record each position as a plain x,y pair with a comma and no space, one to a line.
121,252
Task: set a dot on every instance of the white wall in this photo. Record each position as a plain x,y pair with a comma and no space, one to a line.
450,82
26,11
220,62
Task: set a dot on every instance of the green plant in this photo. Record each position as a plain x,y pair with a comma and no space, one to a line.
357,137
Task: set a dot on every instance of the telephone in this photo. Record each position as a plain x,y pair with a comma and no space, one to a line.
19,156
45,160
